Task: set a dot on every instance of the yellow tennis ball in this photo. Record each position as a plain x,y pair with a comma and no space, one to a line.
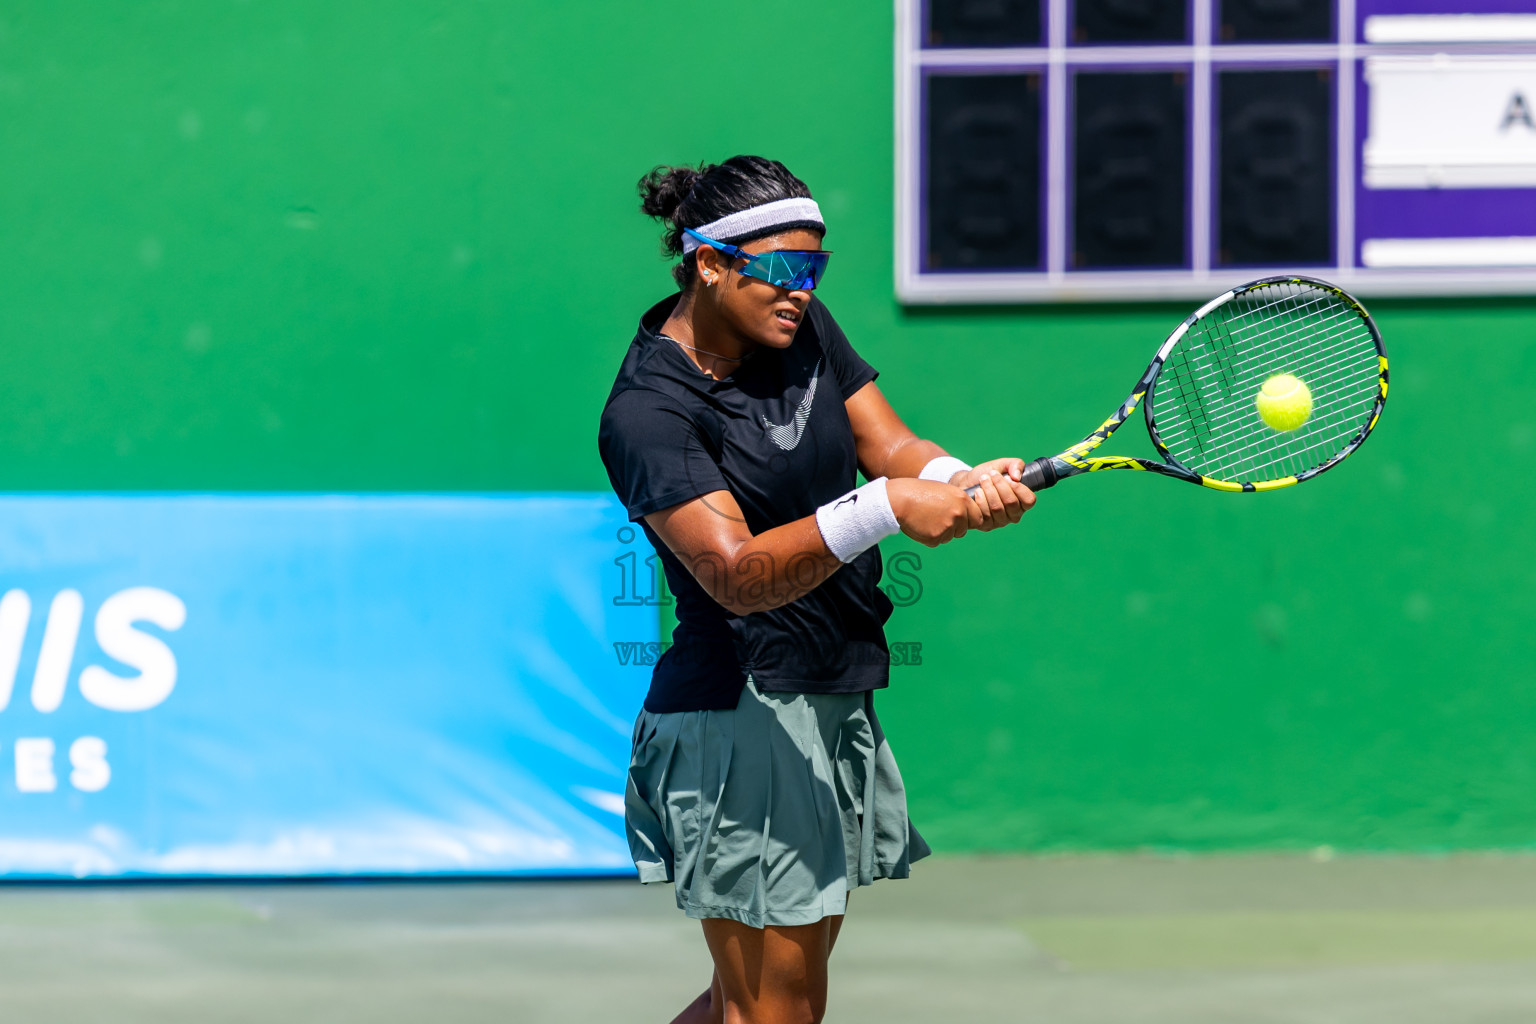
1284,402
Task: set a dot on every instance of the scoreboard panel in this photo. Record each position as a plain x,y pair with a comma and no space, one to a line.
1052,150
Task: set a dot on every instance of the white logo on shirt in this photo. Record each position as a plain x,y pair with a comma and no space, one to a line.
788,435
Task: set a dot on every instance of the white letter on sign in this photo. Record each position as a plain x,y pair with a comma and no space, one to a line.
15,611
34,766
148,654
88,756
58,653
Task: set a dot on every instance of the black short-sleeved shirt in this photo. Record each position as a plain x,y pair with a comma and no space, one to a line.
776,435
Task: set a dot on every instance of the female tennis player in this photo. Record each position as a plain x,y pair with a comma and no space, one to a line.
760,783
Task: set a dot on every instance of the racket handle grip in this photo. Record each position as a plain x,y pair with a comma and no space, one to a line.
1037,476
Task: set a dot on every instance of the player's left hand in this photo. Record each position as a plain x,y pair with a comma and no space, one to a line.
1002,498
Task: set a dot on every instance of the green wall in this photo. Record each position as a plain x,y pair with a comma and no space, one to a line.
394,246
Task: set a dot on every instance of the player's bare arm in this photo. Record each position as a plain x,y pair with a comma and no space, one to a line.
888,447
748,572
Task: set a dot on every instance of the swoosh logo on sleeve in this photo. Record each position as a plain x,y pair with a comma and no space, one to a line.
788,435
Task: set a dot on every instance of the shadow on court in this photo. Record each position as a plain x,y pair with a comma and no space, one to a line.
1109,940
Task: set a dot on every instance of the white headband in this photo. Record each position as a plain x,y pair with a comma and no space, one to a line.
759,220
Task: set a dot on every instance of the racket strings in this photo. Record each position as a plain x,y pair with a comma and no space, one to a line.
1225,450
1217,352
1203,404
1229,450
1335,338
1229,441
1342,377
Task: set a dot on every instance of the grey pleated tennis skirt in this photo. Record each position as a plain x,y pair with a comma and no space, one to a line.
768,813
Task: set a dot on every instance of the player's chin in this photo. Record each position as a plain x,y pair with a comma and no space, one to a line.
776,330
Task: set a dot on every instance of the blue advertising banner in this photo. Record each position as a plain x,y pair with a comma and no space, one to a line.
317,685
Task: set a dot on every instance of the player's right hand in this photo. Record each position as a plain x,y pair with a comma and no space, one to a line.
1003,499
932,513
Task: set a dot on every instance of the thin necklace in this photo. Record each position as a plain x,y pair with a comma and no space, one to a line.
702,352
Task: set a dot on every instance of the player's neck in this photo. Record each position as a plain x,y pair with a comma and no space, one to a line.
707,342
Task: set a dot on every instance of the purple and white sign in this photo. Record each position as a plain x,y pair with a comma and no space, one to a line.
1386,145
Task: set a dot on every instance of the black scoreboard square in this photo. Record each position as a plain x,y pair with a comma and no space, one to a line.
1275,171
1129,199
1079,150
1289,21
982,172
960,23
1130,21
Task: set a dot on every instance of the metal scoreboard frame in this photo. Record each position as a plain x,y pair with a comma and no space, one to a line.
1432,175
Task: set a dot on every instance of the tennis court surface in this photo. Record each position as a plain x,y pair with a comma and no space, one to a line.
1066,940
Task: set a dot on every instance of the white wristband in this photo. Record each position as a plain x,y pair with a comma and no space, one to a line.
857,521
942,468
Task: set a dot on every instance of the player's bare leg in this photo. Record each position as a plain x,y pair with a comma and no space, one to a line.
775,975
708,1008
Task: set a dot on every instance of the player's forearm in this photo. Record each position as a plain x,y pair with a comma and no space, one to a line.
905,458
768,570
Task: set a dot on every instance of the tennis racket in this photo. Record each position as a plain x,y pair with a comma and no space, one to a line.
1200,395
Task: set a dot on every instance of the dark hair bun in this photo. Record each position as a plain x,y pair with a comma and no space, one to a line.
686,198
663,190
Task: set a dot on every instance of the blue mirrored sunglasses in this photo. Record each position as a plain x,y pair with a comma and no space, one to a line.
795,269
